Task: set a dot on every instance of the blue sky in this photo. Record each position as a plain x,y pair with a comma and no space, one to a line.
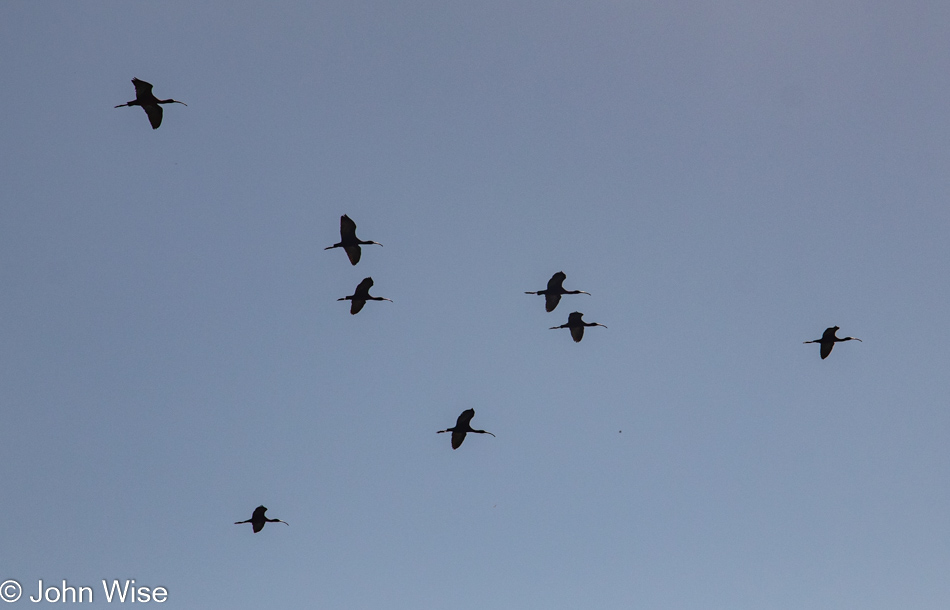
726,180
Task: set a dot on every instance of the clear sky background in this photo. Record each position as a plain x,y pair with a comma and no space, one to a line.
726,179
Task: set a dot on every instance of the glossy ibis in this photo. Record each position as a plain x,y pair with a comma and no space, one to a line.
576,324
552,295
148,102
361,295
349,241
258,519
462,427
828,340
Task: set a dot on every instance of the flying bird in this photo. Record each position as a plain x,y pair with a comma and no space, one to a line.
361,295
258,519
148,102
552,295
462,427
349,241
828,340
576,324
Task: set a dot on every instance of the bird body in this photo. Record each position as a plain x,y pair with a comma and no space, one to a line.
349,241
576,323
258,519
361,295
828,340
552,294
463,426
148,102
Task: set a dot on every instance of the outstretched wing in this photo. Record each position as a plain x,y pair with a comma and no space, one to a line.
356,305
826,348
257,525
154,112
259,513
362,289
142,89
347,228
354,252
577,333
364,286
465,419
551,299
457,438
556,283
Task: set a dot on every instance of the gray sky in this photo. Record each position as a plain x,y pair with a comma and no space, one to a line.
726,179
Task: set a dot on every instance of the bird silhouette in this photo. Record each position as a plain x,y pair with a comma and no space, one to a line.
148,102
258,519
462,427
349,241
576,324
828,340
552,295
361,295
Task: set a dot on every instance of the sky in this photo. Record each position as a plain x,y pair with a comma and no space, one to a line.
726,179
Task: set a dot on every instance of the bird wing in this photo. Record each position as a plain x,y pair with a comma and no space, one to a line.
826,347
551,299
259,513
142,89
354,252
258,525
556,282
356,305
347,228
457,438
577,333
575,318
465,419
154,112
364,286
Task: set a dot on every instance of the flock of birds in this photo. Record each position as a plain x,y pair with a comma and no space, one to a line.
351,245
